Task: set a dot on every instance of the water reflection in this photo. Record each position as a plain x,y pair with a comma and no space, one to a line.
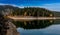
38,27
36,24
51,30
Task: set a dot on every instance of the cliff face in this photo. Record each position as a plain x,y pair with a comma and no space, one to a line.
12,29
7,27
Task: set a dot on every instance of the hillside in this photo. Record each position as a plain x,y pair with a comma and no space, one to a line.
27,11
57,14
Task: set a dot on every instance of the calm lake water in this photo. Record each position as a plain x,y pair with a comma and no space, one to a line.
38,27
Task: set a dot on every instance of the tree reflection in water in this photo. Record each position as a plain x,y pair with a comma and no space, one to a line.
36,24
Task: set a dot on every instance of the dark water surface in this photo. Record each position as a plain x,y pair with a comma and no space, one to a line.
38,27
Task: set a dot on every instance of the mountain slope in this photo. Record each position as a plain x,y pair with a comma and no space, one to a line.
27,11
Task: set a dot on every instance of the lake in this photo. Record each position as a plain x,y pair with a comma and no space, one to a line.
38,27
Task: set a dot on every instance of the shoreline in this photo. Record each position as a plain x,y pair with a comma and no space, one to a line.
32,18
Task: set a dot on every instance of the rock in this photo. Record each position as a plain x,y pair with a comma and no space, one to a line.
12,29
7,27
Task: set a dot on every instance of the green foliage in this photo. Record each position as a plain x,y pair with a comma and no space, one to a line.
32,11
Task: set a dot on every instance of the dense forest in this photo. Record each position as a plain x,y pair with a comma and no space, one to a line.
27,11
33,11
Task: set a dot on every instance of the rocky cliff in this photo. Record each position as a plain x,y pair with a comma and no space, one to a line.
7,27
12,29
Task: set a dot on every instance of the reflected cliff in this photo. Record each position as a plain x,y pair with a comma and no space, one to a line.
36,24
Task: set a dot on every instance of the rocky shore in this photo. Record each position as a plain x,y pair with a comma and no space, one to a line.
12,29
7,27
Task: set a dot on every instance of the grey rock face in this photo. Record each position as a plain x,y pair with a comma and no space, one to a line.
12,29
7,27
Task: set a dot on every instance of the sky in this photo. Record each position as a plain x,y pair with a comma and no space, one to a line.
48,4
